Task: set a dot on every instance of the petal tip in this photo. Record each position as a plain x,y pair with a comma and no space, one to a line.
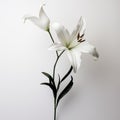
95,54
45,21
24,18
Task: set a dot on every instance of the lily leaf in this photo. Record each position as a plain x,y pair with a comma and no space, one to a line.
51,80
66,90
70,70
58,86
52,88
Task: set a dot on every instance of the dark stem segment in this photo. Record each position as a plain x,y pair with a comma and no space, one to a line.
55,108
60,81
51,36
58,56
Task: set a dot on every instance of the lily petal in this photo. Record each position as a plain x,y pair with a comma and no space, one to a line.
44,19
34,19
75,32
85,47
62,33
74,58
42,22
80,28
57,47
82,24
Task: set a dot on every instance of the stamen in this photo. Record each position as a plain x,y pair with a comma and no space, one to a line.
80,38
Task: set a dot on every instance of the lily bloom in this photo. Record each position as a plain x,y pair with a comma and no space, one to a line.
74,44
42,21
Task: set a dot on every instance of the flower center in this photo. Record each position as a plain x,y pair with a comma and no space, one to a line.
80,38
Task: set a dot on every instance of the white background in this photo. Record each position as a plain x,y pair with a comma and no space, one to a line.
24,55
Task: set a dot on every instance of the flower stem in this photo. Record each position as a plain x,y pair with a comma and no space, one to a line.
51,36
55,108
54,69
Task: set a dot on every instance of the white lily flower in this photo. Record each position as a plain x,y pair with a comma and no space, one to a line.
42,21
73,44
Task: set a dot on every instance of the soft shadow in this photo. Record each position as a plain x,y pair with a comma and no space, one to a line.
69,99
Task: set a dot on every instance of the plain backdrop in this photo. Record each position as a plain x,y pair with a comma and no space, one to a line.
24,55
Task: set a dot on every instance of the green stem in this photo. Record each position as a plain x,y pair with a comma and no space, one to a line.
55,105
55,108
54,70
51,36
58,56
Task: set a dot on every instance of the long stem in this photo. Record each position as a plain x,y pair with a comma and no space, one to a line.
55,108
58,56
54,70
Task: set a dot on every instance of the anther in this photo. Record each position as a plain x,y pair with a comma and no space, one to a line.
80,38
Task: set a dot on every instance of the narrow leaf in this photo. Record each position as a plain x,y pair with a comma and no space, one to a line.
51,81
66,90
70,70
52,88
58,86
